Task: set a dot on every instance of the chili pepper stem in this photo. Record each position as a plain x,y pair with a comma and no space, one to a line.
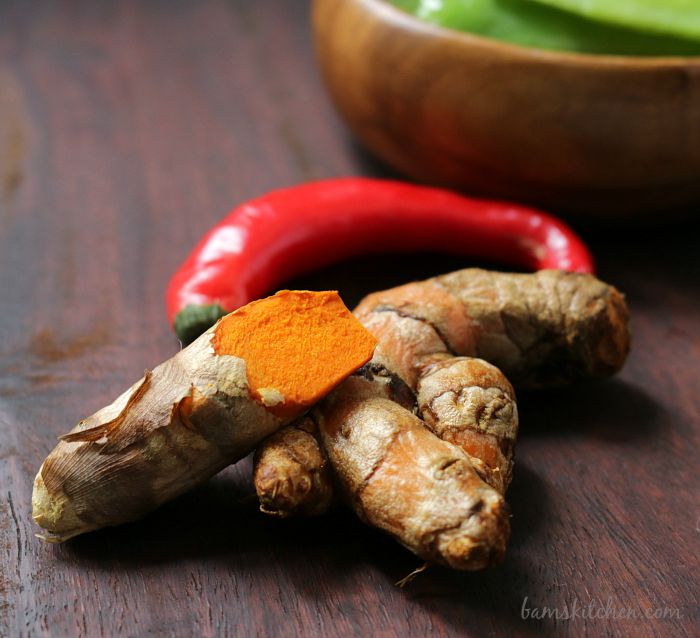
193,320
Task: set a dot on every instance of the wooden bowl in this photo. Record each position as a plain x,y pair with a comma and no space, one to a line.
571,132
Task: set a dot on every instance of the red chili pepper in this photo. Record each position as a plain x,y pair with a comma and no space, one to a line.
268,240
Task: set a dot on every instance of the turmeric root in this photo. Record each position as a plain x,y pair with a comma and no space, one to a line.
256,370
394,472
398,476
541,329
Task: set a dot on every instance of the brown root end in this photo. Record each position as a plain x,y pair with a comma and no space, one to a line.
612,345
480,542
409,578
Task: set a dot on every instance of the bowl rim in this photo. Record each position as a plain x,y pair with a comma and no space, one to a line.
386,11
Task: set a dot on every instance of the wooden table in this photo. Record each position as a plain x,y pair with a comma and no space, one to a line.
126,130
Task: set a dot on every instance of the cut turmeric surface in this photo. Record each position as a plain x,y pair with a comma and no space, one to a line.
298,348
198,412
289,374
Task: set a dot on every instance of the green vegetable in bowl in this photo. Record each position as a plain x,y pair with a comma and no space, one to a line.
666,17
536,25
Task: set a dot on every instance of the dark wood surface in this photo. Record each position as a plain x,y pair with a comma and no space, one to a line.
126,130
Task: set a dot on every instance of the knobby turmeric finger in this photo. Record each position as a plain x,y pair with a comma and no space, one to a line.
253,372
470,403
293,475
401,478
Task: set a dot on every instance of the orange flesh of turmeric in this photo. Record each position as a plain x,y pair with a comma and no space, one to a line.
297,346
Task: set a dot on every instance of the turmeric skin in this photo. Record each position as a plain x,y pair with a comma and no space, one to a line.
201,410
469,403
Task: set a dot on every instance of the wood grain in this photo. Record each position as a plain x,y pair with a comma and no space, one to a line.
126,130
